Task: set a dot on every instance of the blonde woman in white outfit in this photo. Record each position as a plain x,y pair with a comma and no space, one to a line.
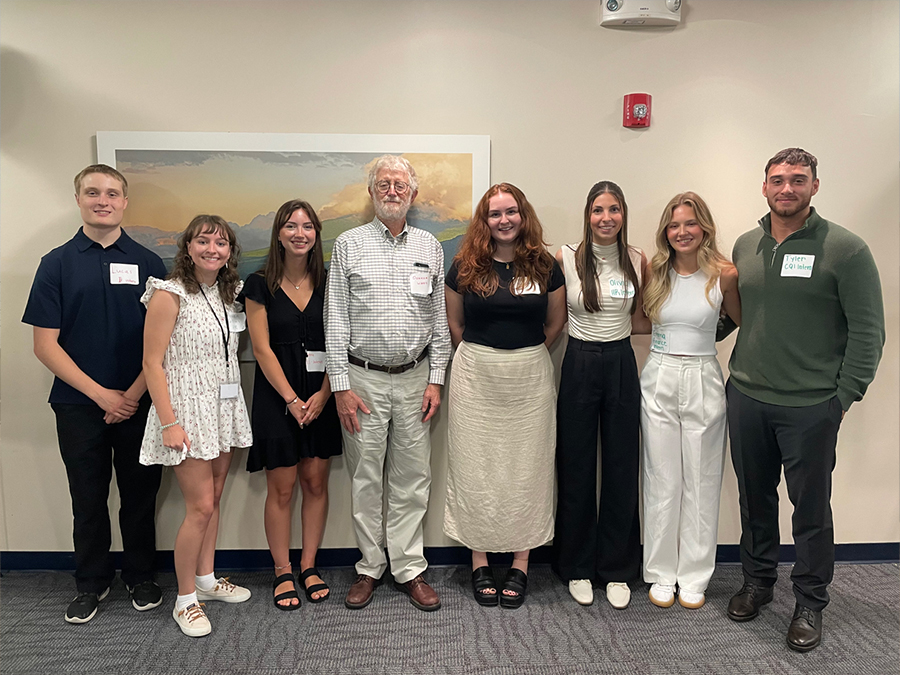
683,402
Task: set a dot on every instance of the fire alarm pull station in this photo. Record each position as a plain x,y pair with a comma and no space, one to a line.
637,111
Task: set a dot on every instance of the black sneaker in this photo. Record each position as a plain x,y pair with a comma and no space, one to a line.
84,607
146,595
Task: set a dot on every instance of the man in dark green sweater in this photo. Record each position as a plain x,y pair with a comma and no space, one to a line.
811,339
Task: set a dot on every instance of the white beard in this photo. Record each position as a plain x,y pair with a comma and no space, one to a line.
390,211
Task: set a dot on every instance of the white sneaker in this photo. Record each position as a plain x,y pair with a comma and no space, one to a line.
662,595
690,599
582,590
192,620
225,591
618,594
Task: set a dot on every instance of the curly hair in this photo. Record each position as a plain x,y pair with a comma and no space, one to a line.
712,262
183,268
586,265
273,269
474,261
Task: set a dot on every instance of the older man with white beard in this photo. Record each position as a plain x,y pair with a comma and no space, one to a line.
387,347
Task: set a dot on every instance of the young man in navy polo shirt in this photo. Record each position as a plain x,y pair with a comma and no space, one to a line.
88,330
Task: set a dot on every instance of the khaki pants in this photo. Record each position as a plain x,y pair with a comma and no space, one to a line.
392,450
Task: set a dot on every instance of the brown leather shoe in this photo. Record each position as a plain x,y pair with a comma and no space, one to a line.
361,591
421,595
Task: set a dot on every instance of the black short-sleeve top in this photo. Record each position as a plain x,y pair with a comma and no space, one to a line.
506,320
287,323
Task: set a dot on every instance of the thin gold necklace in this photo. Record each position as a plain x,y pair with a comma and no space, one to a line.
297,285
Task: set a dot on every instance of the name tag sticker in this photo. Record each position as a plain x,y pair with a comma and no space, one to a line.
619,288
229,390
315,362
420,283
659,342
123,273
237,322
530,288
797,265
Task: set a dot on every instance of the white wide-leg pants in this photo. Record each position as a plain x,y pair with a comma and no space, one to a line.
683,428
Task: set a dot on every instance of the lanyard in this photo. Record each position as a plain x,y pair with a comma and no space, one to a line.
225,332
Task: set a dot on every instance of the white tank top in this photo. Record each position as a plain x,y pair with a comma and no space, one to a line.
613,321
687,320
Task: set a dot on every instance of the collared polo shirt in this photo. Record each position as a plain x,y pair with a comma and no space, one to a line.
100,323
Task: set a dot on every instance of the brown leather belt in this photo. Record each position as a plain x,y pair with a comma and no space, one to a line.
390,370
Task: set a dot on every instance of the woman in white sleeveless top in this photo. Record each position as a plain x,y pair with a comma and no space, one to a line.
683,402
599,391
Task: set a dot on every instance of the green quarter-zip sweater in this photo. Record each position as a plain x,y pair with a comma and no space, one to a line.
812,315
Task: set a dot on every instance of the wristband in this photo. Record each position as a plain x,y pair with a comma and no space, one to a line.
166,426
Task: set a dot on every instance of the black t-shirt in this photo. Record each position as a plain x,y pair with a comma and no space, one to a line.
504,320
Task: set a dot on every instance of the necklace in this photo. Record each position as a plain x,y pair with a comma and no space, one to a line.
297,285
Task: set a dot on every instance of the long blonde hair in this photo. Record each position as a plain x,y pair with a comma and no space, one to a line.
711,261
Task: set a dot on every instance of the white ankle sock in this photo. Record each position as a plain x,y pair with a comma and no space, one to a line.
185,601
207,582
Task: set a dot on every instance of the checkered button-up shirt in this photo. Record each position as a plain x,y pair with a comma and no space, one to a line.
373,308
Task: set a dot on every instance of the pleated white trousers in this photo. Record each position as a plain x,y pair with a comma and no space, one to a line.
683,429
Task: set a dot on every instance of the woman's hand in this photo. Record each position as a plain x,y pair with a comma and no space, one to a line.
175,438
295,408
312,408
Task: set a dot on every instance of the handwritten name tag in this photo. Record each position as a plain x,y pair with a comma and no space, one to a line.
619,288
659,342
237,322
530,288
315,362
123,273
797,265
420,283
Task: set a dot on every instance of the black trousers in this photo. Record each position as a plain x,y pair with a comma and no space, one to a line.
90,448
599,391
765,438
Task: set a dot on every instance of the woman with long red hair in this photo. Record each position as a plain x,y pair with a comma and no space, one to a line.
506,306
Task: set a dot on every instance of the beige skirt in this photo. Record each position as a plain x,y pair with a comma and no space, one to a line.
501,448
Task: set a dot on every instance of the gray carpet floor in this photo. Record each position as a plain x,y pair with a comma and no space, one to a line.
549,635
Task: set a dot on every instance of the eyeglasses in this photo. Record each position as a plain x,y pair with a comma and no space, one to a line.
384,186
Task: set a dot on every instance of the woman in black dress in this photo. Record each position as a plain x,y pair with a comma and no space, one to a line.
295,423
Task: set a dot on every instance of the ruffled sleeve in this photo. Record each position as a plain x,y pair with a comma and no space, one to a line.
154,284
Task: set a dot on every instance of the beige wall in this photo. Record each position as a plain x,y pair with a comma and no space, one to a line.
731,86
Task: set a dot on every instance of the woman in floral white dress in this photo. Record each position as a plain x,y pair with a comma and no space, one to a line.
198,413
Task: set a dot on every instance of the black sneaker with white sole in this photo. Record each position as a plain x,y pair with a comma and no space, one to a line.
146,595
84,607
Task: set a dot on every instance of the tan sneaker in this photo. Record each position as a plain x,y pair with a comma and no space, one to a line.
224,591
192,620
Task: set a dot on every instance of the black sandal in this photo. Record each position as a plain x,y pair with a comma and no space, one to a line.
287,595
482,580
313,572
516,581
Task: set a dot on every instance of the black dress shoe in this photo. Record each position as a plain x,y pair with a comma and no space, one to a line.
745,604
805,631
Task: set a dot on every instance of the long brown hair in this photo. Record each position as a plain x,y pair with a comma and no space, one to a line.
474,261
273,269
710,259
586,265
183,268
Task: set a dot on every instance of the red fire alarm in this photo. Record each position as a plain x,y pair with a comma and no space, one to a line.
637,111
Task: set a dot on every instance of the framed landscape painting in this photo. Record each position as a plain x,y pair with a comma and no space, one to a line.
245,177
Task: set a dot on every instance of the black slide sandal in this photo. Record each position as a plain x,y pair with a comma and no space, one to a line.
313,572
287,595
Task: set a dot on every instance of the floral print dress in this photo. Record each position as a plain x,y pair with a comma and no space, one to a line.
196,367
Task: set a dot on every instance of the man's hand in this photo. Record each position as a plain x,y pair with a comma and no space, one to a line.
347,404
431,401
115,404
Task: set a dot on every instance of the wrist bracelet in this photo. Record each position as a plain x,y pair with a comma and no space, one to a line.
290,403
166,426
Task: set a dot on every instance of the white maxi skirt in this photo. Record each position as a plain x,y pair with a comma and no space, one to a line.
501,448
